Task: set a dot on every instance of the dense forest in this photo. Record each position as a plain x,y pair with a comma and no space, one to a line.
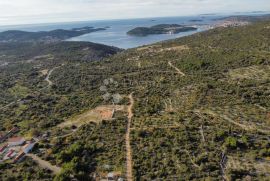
201,107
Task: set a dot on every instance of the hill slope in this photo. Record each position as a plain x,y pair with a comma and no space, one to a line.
200,111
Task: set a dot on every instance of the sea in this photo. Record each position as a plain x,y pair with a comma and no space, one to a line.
116,32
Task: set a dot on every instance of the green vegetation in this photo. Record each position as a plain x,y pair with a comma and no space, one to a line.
93,148
54,35
160,29
210,123
26,170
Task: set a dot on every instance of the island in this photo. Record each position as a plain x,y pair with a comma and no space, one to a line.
49,36
208,14
160,29
196,20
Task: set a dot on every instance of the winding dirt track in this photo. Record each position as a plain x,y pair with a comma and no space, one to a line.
47,79
128,147
177,69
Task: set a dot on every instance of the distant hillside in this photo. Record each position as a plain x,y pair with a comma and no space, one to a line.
48,36
247,18
160,29
61,51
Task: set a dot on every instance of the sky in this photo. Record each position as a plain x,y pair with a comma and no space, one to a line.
49,11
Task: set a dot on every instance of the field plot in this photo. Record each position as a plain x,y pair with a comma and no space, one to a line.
94,115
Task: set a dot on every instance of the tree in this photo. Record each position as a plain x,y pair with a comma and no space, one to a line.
231,142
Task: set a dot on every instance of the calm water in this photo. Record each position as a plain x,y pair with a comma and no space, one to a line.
116,35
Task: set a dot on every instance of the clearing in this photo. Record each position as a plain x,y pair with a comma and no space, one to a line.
44,72
96,115
159,48
177,48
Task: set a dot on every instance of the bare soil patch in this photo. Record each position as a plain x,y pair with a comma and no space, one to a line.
159,48
148,47
96,115
177,48
44,72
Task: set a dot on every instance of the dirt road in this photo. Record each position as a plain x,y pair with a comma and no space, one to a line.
128,147
47,79
45,164
177,69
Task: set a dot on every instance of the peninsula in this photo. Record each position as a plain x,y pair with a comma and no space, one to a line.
160,29
48,36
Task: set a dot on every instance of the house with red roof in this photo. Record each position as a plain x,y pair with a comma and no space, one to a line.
10,153
3,148
19,157
16,141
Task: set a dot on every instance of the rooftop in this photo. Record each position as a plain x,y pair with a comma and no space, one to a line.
15,139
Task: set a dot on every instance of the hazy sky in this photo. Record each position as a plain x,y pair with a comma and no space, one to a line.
42,11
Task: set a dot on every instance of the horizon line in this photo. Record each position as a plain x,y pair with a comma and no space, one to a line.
116,19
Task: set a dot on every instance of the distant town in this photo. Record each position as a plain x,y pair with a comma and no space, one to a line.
230,23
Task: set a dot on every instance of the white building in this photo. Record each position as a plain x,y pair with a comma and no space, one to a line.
28,147
111,176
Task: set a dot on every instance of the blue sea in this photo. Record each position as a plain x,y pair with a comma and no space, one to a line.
116,33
